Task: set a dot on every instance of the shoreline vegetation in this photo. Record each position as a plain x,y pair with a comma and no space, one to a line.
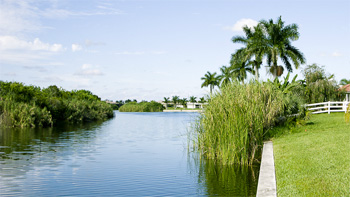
241,114
239,118
30,106
143,106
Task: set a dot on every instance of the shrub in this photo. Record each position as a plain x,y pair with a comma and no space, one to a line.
142,107
29,106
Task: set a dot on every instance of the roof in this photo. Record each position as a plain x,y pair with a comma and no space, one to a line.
345,87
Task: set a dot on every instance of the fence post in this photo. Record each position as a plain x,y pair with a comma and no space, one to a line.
329,107
344,106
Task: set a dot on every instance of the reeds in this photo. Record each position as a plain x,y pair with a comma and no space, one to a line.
234,123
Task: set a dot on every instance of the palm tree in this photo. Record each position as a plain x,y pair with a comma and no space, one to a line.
166,101
254,40
344,81
240,67
202,100
226,75
175,99
184,102
193,99
211,80
278,44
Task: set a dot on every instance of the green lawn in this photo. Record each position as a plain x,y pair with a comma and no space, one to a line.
314,160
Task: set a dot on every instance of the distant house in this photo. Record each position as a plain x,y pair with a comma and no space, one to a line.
346,88
195,105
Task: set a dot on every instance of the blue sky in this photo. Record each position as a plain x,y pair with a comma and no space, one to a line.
147,50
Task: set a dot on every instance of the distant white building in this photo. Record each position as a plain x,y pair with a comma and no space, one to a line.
195,105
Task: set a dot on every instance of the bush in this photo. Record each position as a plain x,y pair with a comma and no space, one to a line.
237,119
142,107
29,106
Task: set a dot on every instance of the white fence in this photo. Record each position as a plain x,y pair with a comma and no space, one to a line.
328,107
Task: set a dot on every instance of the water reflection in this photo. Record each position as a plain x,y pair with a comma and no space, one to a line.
23,150
224,180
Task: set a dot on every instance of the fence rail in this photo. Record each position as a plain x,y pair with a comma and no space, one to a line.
328,107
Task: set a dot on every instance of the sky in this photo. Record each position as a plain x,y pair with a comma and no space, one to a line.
151,49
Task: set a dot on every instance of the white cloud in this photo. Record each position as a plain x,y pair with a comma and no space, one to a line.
89,70
336,54
14,43
76,47
17,17
238,26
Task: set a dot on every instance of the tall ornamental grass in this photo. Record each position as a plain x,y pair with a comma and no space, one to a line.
236,120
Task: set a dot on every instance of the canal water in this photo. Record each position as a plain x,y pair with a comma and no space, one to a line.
133,154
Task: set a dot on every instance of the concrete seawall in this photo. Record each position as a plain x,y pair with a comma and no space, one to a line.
267,178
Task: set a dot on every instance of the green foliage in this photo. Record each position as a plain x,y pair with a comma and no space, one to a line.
193,99
29,106
175,100
344,81
19,114
237,120
271,40
320,87
211,80
142,107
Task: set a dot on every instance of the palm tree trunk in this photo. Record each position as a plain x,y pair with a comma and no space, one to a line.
256,73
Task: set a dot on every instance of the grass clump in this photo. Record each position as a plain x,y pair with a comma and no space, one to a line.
142,107
315,159
237,119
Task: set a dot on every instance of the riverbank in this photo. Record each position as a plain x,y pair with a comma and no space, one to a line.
315,159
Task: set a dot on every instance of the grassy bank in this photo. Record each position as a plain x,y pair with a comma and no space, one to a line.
142,107
315,159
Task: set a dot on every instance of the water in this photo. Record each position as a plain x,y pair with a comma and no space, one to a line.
133,154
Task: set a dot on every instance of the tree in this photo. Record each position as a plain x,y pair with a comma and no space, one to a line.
202,100
211,80
193,99
175,100
226,75
320,87
278,44
254,41
240,67
166,101
344,81
184,102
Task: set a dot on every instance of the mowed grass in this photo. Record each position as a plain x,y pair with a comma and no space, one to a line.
314,161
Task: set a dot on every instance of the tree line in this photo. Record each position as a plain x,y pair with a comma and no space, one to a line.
30,106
